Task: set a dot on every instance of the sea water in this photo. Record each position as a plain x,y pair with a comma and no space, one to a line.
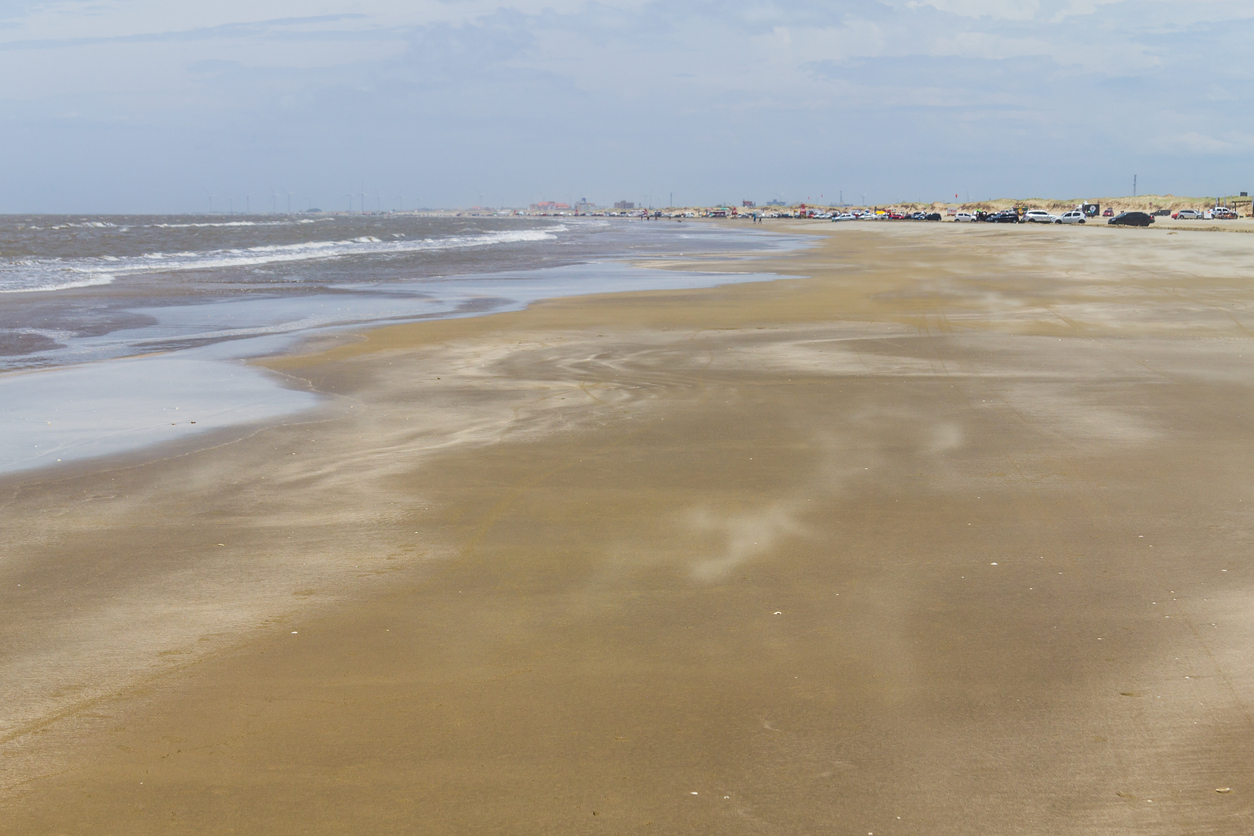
122,332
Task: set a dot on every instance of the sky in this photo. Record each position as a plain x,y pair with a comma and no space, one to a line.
179,106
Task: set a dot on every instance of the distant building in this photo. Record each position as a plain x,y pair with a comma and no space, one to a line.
624,204
549,206
748,204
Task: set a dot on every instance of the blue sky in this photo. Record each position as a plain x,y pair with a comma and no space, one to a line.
154,105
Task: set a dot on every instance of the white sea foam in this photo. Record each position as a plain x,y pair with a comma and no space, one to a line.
82,225
218,224
40,278
56,274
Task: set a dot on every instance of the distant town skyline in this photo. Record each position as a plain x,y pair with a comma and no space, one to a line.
146,106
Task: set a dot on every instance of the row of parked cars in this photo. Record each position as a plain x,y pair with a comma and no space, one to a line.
863,215
1031,216
1218,213
1131,218
1079,215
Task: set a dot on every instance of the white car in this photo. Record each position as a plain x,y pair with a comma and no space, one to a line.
1038,216
964,218
1074,216
844,216
1187,215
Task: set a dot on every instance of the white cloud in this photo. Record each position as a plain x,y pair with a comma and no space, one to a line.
1109,57
72,19
800,45
1194,142
990,46
1021,10
998,9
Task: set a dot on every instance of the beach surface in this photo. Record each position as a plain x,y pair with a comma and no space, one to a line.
948,534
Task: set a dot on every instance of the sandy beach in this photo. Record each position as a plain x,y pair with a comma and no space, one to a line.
948,533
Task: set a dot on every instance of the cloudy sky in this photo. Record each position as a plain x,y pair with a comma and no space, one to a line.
165,105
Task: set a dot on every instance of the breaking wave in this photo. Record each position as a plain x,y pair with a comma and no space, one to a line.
221,224
28,275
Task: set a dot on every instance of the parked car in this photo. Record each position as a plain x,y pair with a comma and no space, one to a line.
1074,216
964,218
844,216
1006,216
1132,219
1038,216
1187,215
1108,212
932,216
1220,213
1161,213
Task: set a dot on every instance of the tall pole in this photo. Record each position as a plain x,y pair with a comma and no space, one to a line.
1134,185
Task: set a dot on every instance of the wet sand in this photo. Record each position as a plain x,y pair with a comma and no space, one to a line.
949,536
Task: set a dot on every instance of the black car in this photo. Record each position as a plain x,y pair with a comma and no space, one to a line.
1131,219
1006,216
931,216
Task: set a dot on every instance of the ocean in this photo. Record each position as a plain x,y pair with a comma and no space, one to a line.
115,331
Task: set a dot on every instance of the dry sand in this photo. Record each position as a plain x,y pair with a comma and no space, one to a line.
949,537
